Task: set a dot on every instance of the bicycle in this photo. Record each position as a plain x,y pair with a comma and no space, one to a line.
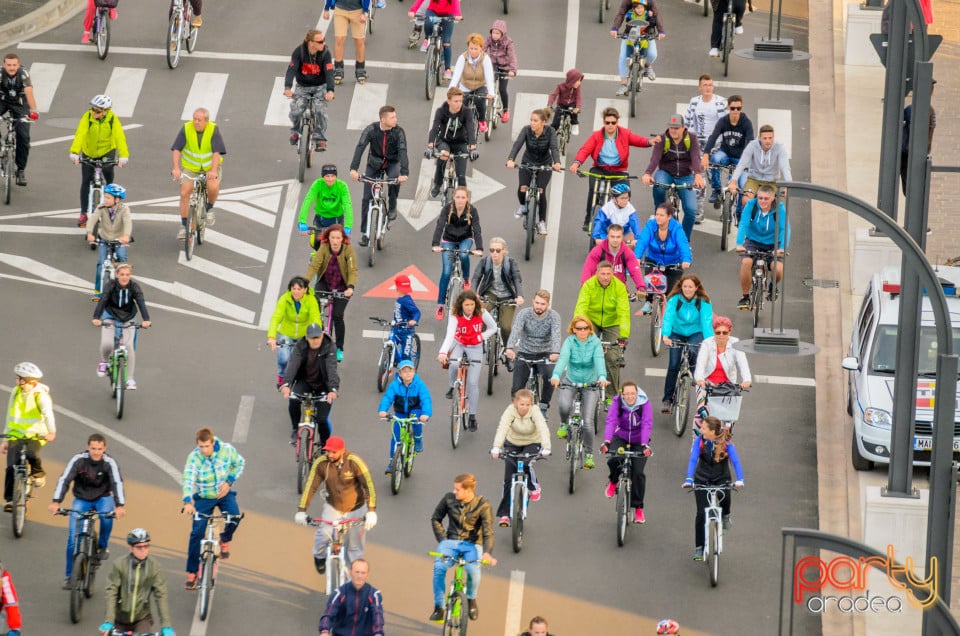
601,193
624,486
713,527
534,378
455,284
86,559
680,408
495,112
100,30
106,268
637,61
8,152
97,183
433,63
308,445
726,43
377,222
336,570
727,202
460,404
573,452
209,554
392,352
455,610
450,180
23,484
655,284
532,206
180,30
312,119
325,300
495,347
604,7
506,7
761,287
672,194
723,402
470,103
117,362
404,452
369,24
564,128
519,493
196,214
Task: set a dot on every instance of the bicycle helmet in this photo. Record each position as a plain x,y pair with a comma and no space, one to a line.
139,535
115,190
668,626
28,370
102,101
620,188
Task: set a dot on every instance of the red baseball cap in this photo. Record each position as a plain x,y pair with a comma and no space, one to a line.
334,443
402,283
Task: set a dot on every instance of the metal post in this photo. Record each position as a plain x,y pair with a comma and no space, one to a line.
770,26
894,94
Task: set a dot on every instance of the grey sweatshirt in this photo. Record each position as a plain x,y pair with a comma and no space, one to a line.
764,166
540,334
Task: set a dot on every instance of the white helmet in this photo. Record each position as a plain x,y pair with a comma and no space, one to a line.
27,370
101,101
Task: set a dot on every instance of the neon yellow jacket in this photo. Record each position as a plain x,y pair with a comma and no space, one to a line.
30,414
95,138
605,306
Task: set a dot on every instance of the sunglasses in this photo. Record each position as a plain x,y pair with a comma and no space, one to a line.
610,123
495,250
98,111
141,546
736,107
721,333
581,328
319,41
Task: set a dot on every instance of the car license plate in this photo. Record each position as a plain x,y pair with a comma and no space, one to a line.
926,443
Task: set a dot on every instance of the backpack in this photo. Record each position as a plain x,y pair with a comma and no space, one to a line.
680,300
686,141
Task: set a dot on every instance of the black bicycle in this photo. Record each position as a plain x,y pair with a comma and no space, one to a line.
624,486
564,128
519,492
8,152
601,192
532,216
22,484
433,63
637,61
86,559
729,30
680,409
727,202
534,377
312,120
495,347
762,286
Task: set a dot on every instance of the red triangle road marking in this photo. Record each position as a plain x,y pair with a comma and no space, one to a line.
422,287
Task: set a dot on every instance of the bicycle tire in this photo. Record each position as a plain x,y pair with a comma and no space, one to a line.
713,552
303,458
431,77
303,149
19,500
725,211
506,7
489,117
381,239
408,459
516,517
576,448
492,346
727,44
89,581
681,404
385,366
602,15
462,613
103,34
373,10
757,304
106,274
633,86
373,224
447,198
396,464
533,213
76,587
193,34
174,43
191,237
9,168
563,136
623,507
206,585
607,3
497,110
656,327
333,572
454,289
120,391
415,351
455,417
706,8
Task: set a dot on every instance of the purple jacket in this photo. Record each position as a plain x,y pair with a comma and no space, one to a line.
631,426
501,52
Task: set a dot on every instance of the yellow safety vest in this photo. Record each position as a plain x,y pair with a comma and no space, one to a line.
24,419
197,154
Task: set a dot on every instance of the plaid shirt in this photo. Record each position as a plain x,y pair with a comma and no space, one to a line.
203,475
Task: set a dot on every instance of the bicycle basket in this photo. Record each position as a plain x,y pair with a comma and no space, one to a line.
724,407
109,4
655,283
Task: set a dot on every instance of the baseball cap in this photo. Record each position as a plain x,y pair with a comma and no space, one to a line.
404,364
676,121
328,168
314,330
334,443
402,283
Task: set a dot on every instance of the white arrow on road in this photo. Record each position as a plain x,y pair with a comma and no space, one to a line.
421,211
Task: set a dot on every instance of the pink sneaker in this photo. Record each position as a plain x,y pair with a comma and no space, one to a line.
505,116
113,14
535,495
638,516
85,39
439,314
483,126
504,522
611,490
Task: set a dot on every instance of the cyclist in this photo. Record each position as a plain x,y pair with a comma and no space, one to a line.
120,301
535,334
31,423
349,490
733,132
457,227
441,9
311,66
112,222
764,159
296,309
409,397
469,535
617,210
703,113
99,135
131,585
469,326
9,602
353,14
356,607
312,368
16,96
97,485
629,422
603,299
580,362
687,319
668,626
662,241
522,429
335,266
88,17
718,363
709,465
716,29
473,74
454,130
330,199
406,315
208,477
542,150
198,149
676,159
760,230
609,147
613,250
647,11
388,154
497,278
499,46
568,94
538,627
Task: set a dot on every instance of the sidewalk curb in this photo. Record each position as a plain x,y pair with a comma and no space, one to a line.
50,15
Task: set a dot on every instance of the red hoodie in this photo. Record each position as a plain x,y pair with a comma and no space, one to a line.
624,140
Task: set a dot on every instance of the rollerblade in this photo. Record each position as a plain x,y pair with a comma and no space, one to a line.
338,73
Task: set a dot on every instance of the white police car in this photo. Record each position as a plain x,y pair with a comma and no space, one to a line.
872,362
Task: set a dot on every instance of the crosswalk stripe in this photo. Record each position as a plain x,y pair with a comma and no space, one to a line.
45,272
45,78
198,297
378,335
124,88
365,104
622,106
523,105
213,237
247,211
205,92
278,108
781,120
220,272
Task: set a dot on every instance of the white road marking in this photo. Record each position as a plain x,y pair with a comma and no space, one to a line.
41,229
46,272
523,104
244,414
124,88
378,335
267,197
622,106
758,378
57,140
201,298
554,203
45,78
365,104
246,211
278,107
199,627
220,272
511,623
291,208
570,37
781,120
206,91
235,245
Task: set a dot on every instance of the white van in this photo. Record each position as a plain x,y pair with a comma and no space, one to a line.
872,361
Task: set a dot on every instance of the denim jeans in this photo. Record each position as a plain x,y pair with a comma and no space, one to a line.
395,438
454,549
588,406
284,345
101,505
688,197
402,338
447,257
227,505
121,257
446,34
670,384
626,50
721,158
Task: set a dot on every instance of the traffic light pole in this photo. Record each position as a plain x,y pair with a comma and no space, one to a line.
894,95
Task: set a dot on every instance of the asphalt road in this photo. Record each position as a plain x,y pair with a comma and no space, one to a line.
206,355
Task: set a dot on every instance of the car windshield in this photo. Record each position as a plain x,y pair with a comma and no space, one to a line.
884,358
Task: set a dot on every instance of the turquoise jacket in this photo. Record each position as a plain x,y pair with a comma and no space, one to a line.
682,318
582,361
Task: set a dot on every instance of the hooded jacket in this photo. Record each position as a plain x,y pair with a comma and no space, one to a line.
632,425
582,362
675,249
407,400
289,322
453,128
347,259
130,586
624,262
566,94
502,52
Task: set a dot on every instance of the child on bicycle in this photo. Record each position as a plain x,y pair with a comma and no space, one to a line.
406,315
647,11
409,397
522,430
567,94
499,46
329,197
709,465
112,222
121,299
469,326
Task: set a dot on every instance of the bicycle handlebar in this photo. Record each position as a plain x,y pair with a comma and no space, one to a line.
457,251
66,512
725,389
592,386
392,323
624,452
728,486
98,162
611,177
531,457
29,438
678,186
108,322
450,155
308,397
536,168
117,632
198,516
393,418
457,560
339,524
365,179
531,361
329,294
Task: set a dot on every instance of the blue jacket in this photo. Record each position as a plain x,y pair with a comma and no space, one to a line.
682,318
404,310
676,249
353,612
582,361
702,469
407,400
760,228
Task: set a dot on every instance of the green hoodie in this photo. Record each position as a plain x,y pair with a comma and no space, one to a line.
329,201
605,306
291,323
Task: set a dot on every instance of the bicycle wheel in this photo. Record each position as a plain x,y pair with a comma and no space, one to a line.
373,10
432,75
457,610
757,304
706,7
727,43
397,465
681,404
623,508
103,34
516,516
455,416
489,118
381,239
497,111
76,587
8,169
533,214
206,585
119,392
453,290
408,458
713,552
603,9
303,458
191,237
303,149
725,212
563,136
633,86
19,505
89,581
174,42
333,572
385,366
492,345
373,226
656,326
193,33
506,7
415,351
576,450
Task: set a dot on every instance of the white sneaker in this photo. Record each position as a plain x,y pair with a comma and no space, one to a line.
575,130
738,30
102,369
182,234
520,212
211,218
131,385
424,46
714,53
542,228
649,74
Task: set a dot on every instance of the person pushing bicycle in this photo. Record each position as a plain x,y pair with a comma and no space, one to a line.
120,301
629,422
131,585
409,397
31,423
522,430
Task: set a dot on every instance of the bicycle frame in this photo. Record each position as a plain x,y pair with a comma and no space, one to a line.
336,570
85,558
8,152
450,181
209,554
325,300
98,181
117,362
519,492
22,485
713,527
763,262
534,378
455,601
681,392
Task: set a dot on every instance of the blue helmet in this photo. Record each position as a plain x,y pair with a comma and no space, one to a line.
115,190
620,188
